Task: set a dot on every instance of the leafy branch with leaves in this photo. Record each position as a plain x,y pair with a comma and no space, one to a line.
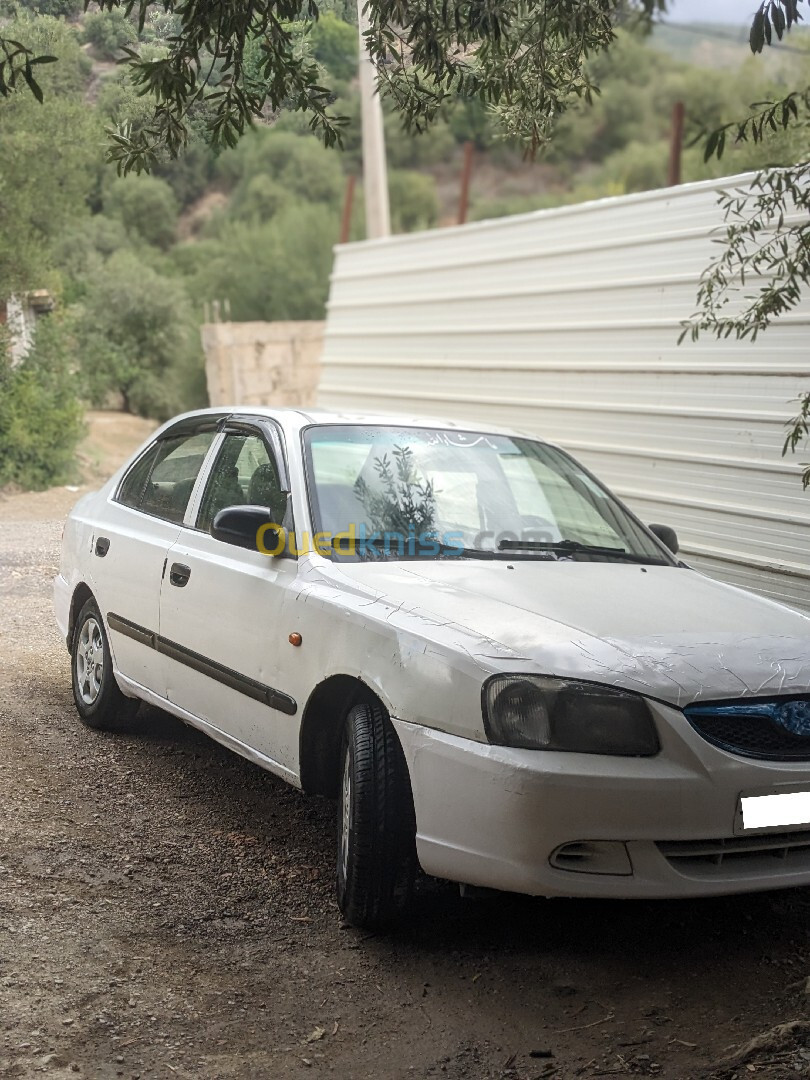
400,502
17,63
527,62
766,242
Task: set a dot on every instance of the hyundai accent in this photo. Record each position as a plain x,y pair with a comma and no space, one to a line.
501,675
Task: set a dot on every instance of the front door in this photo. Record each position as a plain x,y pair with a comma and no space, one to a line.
223,613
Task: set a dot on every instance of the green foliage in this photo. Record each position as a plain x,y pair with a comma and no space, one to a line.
414,204
638,166
300,165
135,338
404,501
798,434
470,121
67,8
430,147
258,266
80,250
258,198
108,32
189,175
767,236
58,139
772,17
526,61
52,50
40,415
335,44
147,208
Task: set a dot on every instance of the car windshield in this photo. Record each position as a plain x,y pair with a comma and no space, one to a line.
386,492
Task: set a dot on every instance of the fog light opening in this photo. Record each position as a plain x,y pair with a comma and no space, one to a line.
592,857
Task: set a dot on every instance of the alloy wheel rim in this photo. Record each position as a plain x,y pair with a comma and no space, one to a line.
89,661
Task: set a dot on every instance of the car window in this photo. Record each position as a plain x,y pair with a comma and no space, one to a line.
161,481
134,483
244,474
561,504
455,489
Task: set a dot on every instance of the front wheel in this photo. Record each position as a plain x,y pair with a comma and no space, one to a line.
98,699
376,824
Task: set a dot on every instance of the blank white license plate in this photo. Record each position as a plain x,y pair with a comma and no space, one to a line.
775,811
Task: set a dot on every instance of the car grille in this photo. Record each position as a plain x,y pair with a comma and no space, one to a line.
776,729
774,853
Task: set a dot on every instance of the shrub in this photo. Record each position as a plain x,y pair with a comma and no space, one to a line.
258,199
335,44
414,204
276,269
107,32
147,207
40,414
299,164
69,8
136,339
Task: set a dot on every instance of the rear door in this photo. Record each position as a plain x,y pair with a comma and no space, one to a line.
129,550
224,610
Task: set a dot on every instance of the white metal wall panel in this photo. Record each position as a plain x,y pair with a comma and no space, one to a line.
565,323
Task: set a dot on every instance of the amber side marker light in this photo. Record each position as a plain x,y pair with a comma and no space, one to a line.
295,639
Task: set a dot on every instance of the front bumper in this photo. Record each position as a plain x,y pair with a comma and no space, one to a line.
492,816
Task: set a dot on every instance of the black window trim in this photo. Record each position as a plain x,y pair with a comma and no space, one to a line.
272,436
191,425
226,423
237,423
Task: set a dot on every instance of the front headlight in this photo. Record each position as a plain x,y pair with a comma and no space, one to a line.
537,712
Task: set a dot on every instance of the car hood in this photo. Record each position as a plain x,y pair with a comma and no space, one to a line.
664,631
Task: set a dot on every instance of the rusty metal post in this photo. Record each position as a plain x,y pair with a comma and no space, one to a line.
466,172
676,144
348,206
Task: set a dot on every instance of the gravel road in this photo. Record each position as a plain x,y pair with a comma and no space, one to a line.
166,911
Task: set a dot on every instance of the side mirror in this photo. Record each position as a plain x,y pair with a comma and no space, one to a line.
667,535
243,526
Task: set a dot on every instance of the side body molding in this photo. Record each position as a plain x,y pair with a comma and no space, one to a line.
275,699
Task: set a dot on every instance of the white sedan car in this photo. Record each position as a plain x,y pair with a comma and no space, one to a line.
502,675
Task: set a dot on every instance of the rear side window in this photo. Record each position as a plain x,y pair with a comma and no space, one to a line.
161,481
133,487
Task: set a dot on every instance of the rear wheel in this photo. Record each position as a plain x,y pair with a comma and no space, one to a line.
376,825
98,699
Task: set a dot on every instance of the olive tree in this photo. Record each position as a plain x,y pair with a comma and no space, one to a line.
228,64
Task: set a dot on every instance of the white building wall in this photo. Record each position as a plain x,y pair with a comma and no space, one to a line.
565,323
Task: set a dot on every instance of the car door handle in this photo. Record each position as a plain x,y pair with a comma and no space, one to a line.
102,546
179,574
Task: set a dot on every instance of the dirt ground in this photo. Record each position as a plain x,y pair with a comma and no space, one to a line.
166,911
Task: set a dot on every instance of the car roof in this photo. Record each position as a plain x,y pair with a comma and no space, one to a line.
300,418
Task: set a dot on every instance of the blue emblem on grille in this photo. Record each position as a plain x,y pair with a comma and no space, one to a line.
770,728
794,715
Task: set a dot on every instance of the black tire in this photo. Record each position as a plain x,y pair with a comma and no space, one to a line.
376,856
99,701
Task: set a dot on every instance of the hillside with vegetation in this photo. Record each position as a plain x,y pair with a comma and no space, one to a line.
132,261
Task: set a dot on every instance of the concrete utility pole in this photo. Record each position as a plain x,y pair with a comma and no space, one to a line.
375,173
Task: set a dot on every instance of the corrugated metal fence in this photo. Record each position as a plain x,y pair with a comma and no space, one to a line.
565,323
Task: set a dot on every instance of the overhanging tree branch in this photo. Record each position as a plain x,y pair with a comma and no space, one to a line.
766,245
525,60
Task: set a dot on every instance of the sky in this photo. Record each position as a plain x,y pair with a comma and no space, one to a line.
735,12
